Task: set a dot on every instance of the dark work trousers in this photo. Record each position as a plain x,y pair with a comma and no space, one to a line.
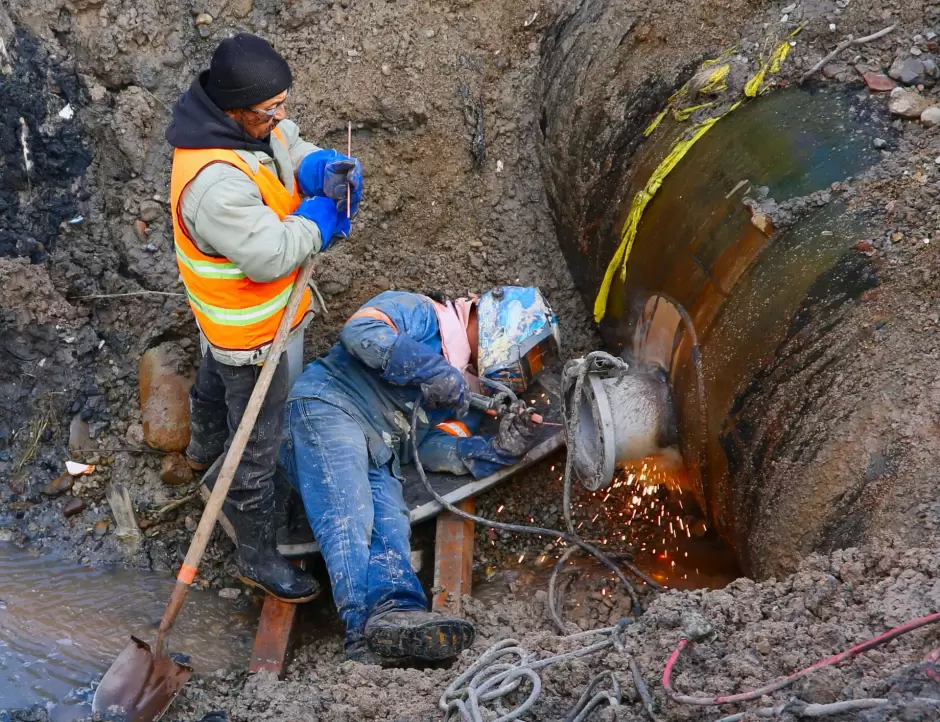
217,402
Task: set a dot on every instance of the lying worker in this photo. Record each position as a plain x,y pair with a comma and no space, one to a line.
348,420
241,229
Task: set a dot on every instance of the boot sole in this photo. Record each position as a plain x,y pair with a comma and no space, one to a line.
286,600
431,642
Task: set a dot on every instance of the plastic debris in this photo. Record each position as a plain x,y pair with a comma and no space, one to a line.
77,469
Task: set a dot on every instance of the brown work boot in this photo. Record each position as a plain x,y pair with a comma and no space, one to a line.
420,635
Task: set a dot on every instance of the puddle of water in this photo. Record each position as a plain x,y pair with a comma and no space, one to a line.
62,625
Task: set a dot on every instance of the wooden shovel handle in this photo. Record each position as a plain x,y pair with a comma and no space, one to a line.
224,481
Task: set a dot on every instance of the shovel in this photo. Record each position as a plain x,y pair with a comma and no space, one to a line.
143,681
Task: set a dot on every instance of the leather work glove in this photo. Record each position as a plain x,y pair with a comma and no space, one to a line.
339,177
322,211
447,389
326,173
517,432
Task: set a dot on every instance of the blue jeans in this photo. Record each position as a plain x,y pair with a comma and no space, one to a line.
356,512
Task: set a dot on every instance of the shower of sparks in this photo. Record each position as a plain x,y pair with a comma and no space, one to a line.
639,514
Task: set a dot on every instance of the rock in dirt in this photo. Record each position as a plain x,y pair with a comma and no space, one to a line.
174,470
930,117
164,397
879,82
230,593
75,506
59,486
79,435
101,528
909,71
907,103
241,8
6,535
135,435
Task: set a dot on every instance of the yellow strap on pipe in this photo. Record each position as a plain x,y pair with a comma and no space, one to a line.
640,201
676,153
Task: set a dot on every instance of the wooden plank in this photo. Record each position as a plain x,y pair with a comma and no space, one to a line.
453,559
273,638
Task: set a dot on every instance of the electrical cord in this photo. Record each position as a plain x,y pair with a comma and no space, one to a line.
797,706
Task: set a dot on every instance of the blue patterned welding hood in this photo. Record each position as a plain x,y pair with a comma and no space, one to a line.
518,335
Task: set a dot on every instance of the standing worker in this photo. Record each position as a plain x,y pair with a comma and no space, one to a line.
250,201
349,424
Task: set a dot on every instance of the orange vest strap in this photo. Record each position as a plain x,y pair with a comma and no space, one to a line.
374,313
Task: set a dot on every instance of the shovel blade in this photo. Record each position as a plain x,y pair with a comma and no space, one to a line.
139,686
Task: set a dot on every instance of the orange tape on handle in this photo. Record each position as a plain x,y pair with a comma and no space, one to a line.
187,574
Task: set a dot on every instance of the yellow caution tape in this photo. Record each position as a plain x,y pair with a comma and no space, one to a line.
753,86
685,113
656,121
641,200
716,81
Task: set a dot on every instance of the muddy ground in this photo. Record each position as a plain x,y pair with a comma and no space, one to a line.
420,80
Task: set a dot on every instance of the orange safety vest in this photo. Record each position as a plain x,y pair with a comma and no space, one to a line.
234,312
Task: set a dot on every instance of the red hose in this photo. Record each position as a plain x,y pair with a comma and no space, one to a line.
786,681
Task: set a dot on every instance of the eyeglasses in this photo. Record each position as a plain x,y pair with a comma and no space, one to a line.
271,112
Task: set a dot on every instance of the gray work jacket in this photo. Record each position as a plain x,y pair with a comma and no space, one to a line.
225,216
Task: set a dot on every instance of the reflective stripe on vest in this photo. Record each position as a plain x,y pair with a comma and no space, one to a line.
234,312
455,428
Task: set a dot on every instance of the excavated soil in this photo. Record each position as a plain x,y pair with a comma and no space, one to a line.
429,87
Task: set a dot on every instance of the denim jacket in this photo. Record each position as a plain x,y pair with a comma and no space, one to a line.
368,377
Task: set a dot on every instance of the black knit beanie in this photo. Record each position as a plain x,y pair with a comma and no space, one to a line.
245,71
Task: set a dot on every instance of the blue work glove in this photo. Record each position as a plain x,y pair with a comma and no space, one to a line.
311,170
412,363
327,173
339,177
330,222
447,389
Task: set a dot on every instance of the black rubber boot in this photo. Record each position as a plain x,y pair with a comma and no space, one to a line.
258,559
208,426
426,636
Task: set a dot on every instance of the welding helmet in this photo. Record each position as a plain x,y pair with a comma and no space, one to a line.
518,336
